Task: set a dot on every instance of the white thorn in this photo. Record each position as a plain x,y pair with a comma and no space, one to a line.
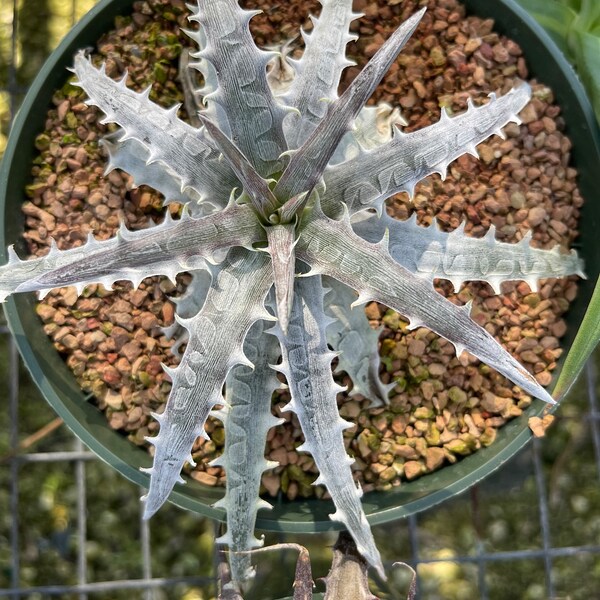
459,348
170,371
414,323
12,255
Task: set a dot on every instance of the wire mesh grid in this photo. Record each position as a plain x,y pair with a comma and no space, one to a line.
531,531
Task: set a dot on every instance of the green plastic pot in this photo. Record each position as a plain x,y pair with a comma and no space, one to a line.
60,389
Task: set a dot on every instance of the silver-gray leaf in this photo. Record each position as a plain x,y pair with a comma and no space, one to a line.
234,303
255,118
432,253
167,249
318,71
306,364
367,180
307,164
181,148
247,419
352,336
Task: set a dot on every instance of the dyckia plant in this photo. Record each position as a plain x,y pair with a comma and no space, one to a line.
285,233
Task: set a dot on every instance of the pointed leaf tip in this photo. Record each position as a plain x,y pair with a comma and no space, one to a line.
281,248
320,146
256,187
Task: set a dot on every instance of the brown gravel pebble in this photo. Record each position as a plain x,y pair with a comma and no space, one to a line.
113,341
538,426
494,404
272,483
412,469
205,478
434,458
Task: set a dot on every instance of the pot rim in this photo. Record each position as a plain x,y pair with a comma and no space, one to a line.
300,516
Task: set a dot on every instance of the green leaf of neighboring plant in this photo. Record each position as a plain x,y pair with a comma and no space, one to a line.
586,47
555,17
575,27
586,340
588,18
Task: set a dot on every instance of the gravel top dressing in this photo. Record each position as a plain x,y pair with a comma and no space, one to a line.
442,407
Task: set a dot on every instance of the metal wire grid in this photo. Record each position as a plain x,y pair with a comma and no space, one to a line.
77,456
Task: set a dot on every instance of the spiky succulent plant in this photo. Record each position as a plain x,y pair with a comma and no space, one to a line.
285,234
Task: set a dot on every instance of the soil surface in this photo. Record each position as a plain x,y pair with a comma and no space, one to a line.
442,407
